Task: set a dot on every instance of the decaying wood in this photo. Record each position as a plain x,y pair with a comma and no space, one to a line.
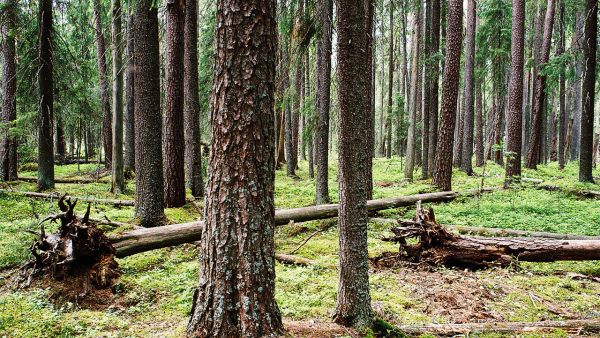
578,193
293,260
116,203
437,246
572,327
491,232
81,180
77,251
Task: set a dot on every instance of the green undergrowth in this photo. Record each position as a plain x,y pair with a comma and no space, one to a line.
153,297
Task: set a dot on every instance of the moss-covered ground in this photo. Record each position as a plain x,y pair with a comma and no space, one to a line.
154,294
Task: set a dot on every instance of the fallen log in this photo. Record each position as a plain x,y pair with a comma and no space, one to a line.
80,180
117,203
578,193
573,327
438,247
136,241
491,232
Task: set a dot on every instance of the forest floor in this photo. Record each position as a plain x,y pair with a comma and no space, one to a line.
153,296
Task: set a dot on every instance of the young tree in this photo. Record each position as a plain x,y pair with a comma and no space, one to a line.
149,197
535,143
442,174
514,118
8,143
414,81
325,17
353,301
191,108
588,92
173,132
469,99
129,118
46,107
236,292
103,83
118,180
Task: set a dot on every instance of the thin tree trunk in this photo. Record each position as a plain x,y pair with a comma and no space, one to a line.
515,94
562,105
61,145
129,118
390,101
426,93
576,46
118,179
458,133
103,83
479,146
238,262
469,99
442,175
310,119
433,108
149,202
46,107
370,31
588,94
414,84
8,143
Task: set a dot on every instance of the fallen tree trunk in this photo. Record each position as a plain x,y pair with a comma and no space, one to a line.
579,193
117,203
436,246
136,241
492,232
81,180
573,327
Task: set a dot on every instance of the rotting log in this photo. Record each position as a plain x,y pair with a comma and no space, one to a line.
578,193
438,247
293,260
32,194
491,232
81,180
572,327
136,241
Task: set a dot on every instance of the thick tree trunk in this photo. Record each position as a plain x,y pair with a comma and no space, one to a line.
434,87
103,84
118,179
535,143
469,102
588,92
442,175
191,107
562,134
515,94
411,141
325,13
46,107
8,143
239,210
148,118
129,118
353,301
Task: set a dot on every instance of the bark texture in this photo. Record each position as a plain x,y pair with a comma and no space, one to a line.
562,133
129,118
353,301
442,175
103,84
469,99
588,92
236,292
434,87
174,143
46,108
8,144
149,197
414,82
118,179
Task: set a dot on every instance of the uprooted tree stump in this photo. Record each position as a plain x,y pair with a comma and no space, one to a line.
436,246
78,256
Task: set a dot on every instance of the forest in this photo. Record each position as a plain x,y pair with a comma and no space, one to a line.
299,168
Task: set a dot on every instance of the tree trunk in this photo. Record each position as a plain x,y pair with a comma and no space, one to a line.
129,118
237,241
308,135
103,84
46,100
353,301
562,134
535,143
174,146
390,101
61,145
370,30
515,94
469,102
191,108
576,46
588,92
442,175
479,146
149,195
118,179
414,81
426,93
434,87
8,143
458,133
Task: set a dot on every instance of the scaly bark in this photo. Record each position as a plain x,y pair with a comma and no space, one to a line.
434,87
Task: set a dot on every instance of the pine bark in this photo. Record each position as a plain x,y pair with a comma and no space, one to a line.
46,107
390,98
469,99
129,118
434,87
414,81
103,84
535,143
442,175
236,292
191,107
426,93
353,301
370,30
515,94
8,143
562,131
149,197
588,92
118,179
